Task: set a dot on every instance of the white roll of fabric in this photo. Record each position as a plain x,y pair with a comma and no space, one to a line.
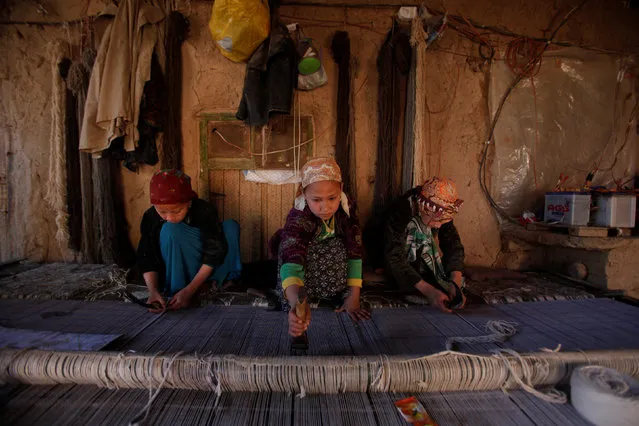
272,177
604,396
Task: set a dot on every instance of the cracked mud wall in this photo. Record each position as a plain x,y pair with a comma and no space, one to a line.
456,97
27,228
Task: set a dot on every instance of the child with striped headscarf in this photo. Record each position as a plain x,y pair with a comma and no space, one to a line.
320,246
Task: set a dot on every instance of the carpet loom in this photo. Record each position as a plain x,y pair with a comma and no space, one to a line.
221,364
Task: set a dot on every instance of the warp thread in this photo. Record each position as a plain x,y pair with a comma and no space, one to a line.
178,27
56,188
500,331
341,50
139,419
302,393
446,371
604,396
380,378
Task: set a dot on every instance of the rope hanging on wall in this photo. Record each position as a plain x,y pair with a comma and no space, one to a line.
344,146
111,230
418,41
408,148
393,61
178,27
72,161
56,186
78,82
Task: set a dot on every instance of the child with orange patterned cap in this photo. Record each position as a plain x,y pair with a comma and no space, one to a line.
320,246
422,248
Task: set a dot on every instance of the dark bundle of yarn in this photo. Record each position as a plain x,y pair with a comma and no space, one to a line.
344,147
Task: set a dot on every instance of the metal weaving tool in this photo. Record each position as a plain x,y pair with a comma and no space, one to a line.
131,298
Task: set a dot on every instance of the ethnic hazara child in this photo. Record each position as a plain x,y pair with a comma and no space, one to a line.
183,244
422,249
320,245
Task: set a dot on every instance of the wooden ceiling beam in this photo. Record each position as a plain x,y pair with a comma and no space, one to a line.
355,4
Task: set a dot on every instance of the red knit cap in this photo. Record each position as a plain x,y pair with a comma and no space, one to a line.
171,186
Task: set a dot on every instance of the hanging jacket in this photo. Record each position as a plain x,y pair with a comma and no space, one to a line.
271,74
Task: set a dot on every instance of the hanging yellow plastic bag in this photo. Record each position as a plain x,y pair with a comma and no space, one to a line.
239,26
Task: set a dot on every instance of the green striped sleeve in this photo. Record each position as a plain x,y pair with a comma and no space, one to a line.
292,274
354,278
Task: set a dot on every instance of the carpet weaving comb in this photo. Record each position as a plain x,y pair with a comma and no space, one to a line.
299,345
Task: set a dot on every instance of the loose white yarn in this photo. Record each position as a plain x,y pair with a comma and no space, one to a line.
603,396
56,185
500,331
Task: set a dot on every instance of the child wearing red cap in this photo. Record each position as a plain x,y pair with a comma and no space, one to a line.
182,242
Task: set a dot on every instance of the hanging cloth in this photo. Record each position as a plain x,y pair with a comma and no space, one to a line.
121,69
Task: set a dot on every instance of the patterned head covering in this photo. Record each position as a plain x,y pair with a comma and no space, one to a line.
320,169
171,186
439,199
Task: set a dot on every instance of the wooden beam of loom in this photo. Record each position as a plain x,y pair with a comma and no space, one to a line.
446,371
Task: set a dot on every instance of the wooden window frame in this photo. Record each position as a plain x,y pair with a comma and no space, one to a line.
208,164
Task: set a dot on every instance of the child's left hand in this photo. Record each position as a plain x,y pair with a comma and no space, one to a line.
354,310
457,278
181,299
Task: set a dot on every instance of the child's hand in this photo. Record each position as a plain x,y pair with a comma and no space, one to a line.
181,300
435,297
354,310
156,299
296,327
458,279
439,300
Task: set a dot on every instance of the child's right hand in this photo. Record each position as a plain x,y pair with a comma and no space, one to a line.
155,298
296,327
435,297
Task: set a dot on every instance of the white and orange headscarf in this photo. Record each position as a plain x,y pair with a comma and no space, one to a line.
318,170
439,199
